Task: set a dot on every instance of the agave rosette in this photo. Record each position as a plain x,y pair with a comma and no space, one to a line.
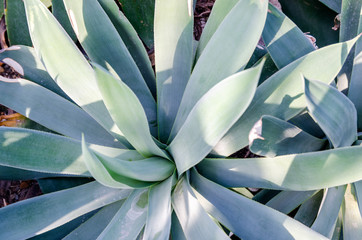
157,146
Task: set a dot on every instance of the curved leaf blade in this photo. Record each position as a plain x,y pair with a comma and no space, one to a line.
148,170
212,117
271,137
352,220
104,176
64,206
333,111
284,172
173,58
127,112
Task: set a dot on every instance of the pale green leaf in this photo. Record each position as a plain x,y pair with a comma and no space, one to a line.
218,62
129,219
173,58
284,172
195,222
127,112
46,212
281,95
60,13
271,137
94,29
212,117
106,176
66,65
158,222
333,111
148,170
329,210
247,218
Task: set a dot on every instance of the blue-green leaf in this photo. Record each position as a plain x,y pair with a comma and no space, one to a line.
46,212
173,58
333,111
271,137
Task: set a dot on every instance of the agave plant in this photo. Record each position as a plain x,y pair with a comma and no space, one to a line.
134,156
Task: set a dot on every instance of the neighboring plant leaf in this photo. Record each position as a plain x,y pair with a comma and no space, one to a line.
195,222
66,64
130,218
281,95
104,175
65,206
335,5
284,172
95,225
16,24
329,210
133,42
127,112
93,29
58,114
247,18
308,211
41,152
352,220
281,35
212,117
333,111
287,201
313,17
158,222
271,137
242,215
141,15
60,13
173,58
